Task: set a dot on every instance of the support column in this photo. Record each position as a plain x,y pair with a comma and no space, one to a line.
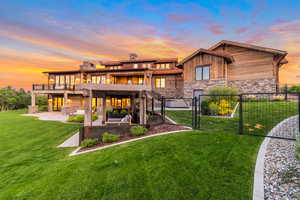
103,110
145,109
142,106
32,108
88,110
66,99
50,103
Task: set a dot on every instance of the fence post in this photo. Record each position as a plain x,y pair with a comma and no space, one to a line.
196,114
241,120
162,106
285,92
298,111
152,106
199,114
193,112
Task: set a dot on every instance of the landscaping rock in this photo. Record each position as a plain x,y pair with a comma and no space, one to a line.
281,170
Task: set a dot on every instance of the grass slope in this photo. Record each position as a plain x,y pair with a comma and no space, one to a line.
189,165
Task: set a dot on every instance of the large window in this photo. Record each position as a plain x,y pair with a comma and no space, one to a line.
101,79
163,66
202,72
160,83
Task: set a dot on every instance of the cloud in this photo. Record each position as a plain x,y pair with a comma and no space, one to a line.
177,18
216,29
241,30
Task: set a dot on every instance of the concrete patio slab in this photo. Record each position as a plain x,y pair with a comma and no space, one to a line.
51,116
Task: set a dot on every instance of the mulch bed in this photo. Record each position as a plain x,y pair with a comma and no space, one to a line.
152,131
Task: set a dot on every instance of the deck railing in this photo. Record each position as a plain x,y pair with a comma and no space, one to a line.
52,87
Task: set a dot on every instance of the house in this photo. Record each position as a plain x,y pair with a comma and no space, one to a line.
132,84
247,67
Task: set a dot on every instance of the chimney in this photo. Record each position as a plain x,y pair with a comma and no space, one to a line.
133,56
87,65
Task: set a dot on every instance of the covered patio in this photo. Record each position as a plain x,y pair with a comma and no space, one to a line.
117,104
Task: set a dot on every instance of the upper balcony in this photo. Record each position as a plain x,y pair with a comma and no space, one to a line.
113,87
90,86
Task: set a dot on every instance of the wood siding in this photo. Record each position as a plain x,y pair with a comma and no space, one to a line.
217,66
249,64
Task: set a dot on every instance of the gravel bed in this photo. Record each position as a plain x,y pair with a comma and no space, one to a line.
281,170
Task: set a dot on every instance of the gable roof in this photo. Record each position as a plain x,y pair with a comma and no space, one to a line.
227,56
248,46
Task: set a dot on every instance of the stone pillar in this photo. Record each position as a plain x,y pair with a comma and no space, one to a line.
50,103
88,109
142,106
103,110
32,108
145,109
66,99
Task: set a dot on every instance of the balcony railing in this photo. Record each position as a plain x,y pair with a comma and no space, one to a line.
52,87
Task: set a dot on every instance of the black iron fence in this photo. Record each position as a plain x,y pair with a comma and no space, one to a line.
258,114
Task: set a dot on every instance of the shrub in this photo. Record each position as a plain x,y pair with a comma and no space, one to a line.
115,112
89,142
109,110
205,106
123,111
223,90
213,108
80,118
94,117
138,130
43,108
294,89
107,137
224,107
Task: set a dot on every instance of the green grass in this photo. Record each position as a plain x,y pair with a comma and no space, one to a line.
213,163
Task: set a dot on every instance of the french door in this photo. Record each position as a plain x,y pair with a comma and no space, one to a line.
57,103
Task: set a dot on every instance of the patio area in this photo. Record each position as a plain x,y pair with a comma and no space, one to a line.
57,116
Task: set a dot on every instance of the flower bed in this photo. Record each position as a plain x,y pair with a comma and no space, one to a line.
136,131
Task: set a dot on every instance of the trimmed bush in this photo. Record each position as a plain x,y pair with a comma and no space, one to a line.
213,108
123,111
80,118
89,142
115,112
138,130
223,90
43,108
107,137
205,106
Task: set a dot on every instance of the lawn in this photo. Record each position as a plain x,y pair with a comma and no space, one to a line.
208,164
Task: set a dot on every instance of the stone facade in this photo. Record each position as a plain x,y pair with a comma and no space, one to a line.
254,85
169,92
190,86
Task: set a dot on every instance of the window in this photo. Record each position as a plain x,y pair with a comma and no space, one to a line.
163,66
135,65
99,79
141,81
202,72
160,83
146,65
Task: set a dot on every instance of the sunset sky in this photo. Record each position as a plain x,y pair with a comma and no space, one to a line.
37,36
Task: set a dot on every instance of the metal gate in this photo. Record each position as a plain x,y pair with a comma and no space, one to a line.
258,114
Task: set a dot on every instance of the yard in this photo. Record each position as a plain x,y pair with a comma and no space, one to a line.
208,164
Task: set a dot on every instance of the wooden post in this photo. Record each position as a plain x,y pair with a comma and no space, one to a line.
104,110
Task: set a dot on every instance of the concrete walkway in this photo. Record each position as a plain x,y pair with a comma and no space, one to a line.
52,116
72,141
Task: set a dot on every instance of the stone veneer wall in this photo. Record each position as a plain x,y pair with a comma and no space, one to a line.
169,92
254,85
244,86
190,86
